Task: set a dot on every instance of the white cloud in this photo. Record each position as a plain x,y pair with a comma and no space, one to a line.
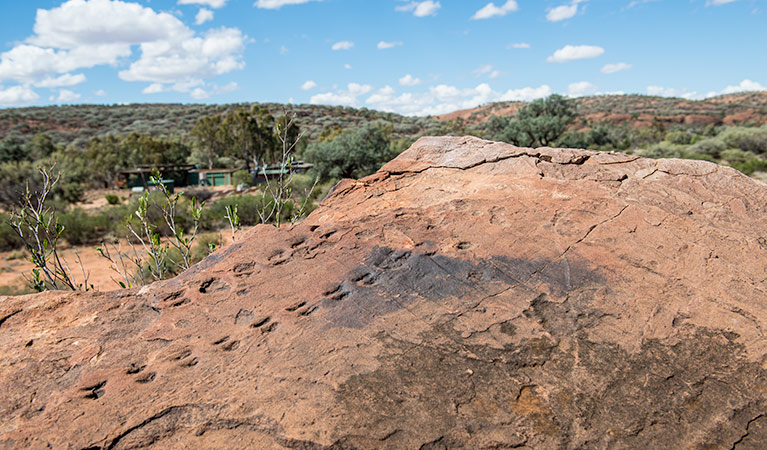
203,15
348,66
444,98
563,12
308,85
191,60
154,88
100,93
409,80
718,2
343,45
573,52
348,97
17,95
211,3
62,81
661,91
486,69
277,4
201,94
617,67
580,89
526,94
518,45
744,86
65,96
421,9
383,45
490,10
82,34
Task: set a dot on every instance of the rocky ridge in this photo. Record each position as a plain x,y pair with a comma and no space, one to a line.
470,294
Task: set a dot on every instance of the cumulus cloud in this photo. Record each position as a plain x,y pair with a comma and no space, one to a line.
348,97
409,80
17,95
343,45
573,52
191,60
154,88
65,96
82,34
444,98
490,10
486,69
203,15
563,12
661,91
518,45
421,9
383,45
211,3
744,86
62,81
277,4
580,89
617,67
308,85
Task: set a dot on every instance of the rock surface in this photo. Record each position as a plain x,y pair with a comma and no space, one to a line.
468,295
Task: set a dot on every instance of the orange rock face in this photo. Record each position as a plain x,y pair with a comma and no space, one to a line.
468,295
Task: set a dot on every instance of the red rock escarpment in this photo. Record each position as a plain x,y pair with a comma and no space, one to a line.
470,294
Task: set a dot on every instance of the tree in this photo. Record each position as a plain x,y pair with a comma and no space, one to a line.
242,129
211,137
351,154
538,124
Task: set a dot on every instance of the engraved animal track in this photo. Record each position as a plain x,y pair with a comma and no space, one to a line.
307,310
243,267
243,316
328,233
231,346
278,257
178,355
295,306
212,285
298,242
339,292
221,341
464,245
134,369
174,299
146,378
365,278
95,391
260,322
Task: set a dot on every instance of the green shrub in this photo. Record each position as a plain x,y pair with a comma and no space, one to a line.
112,199
242,177
82,228
747,139
9,240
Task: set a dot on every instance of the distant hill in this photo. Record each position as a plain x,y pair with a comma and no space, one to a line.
748,108
78,123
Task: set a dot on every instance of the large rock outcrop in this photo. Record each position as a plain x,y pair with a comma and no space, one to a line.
468,295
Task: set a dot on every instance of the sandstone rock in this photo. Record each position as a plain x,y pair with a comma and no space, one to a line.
469,295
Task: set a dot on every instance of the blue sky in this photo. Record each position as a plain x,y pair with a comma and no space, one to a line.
412,57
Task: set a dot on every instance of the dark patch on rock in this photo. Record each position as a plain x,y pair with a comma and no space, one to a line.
391,279
564,390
